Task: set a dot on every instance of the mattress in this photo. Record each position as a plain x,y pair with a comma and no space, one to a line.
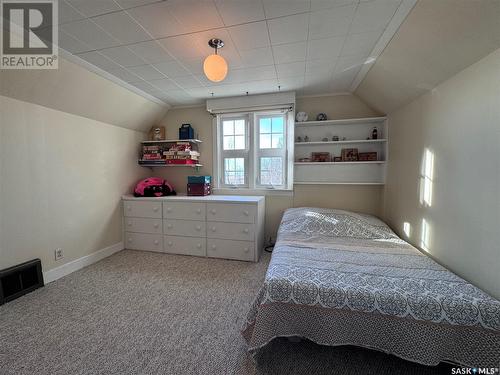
341,278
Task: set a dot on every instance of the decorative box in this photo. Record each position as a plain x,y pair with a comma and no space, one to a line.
367,156
199,189
199,179
186,132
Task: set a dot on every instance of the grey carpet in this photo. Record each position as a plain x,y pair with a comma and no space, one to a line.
147,313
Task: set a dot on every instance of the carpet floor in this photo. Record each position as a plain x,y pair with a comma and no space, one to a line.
149,313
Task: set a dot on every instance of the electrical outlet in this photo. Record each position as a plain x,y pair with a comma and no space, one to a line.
58,254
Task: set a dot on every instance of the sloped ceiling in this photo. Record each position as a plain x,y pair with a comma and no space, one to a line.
438,39
74,89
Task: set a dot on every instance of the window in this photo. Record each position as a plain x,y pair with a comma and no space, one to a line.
252,150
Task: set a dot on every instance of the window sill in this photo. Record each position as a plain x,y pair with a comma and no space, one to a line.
246,191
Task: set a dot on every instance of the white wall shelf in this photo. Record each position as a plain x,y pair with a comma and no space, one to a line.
171,165
370,120
355,132
315,143
173,141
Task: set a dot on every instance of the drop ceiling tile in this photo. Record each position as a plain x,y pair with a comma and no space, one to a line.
327,4
200,92
94,7
125,4
291,69
361,44
264,86
279,8
147,72
288,29
195,15
158,20
251,74
70,44
123,56
183,47
250,36
234,12
287,53
328,48
67,13
88,32
257,57
124,75
195,66
322,67
188,82
164,84
374,15
349,64
144,86
291,83
99,60
331,22
122,27
172,69
228,52
151,52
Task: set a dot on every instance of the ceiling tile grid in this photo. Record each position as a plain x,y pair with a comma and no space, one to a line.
310,46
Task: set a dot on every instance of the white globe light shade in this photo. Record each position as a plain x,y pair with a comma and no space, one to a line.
215,68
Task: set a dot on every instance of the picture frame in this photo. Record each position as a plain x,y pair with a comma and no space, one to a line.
349,154
323,157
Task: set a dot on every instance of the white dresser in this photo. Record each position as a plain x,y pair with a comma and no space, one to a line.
218,226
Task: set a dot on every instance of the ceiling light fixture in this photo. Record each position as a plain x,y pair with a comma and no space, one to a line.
215,67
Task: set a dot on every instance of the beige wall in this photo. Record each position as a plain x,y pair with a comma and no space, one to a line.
459,121
61,179
358,198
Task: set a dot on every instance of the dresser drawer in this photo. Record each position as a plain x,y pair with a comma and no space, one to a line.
230,249
141,225
142,209
231,213
184,210
140,241
188,228
230,231
185,245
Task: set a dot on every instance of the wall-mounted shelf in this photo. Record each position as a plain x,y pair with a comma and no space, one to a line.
355,132
173,141
367,120
316,143
170,165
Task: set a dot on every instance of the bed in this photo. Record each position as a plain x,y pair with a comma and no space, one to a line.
341,278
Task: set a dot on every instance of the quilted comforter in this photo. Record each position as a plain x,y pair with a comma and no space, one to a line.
340,278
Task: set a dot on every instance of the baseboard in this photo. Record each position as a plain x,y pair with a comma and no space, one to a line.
77,264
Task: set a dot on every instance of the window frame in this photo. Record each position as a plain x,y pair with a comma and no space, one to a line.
252,153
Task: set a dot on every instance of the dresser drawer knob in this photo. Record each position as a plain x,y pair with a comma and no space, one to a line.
214,229
198,211
214,247
247,249
169,209
129,223
245,230
213,211
156,242
198,246
156,225
169,226
130,240
170,243
155,209
246,213
198,227
129,208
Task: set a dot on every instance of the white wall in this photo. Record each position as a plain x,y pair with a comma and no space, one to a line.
459,122
61,179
